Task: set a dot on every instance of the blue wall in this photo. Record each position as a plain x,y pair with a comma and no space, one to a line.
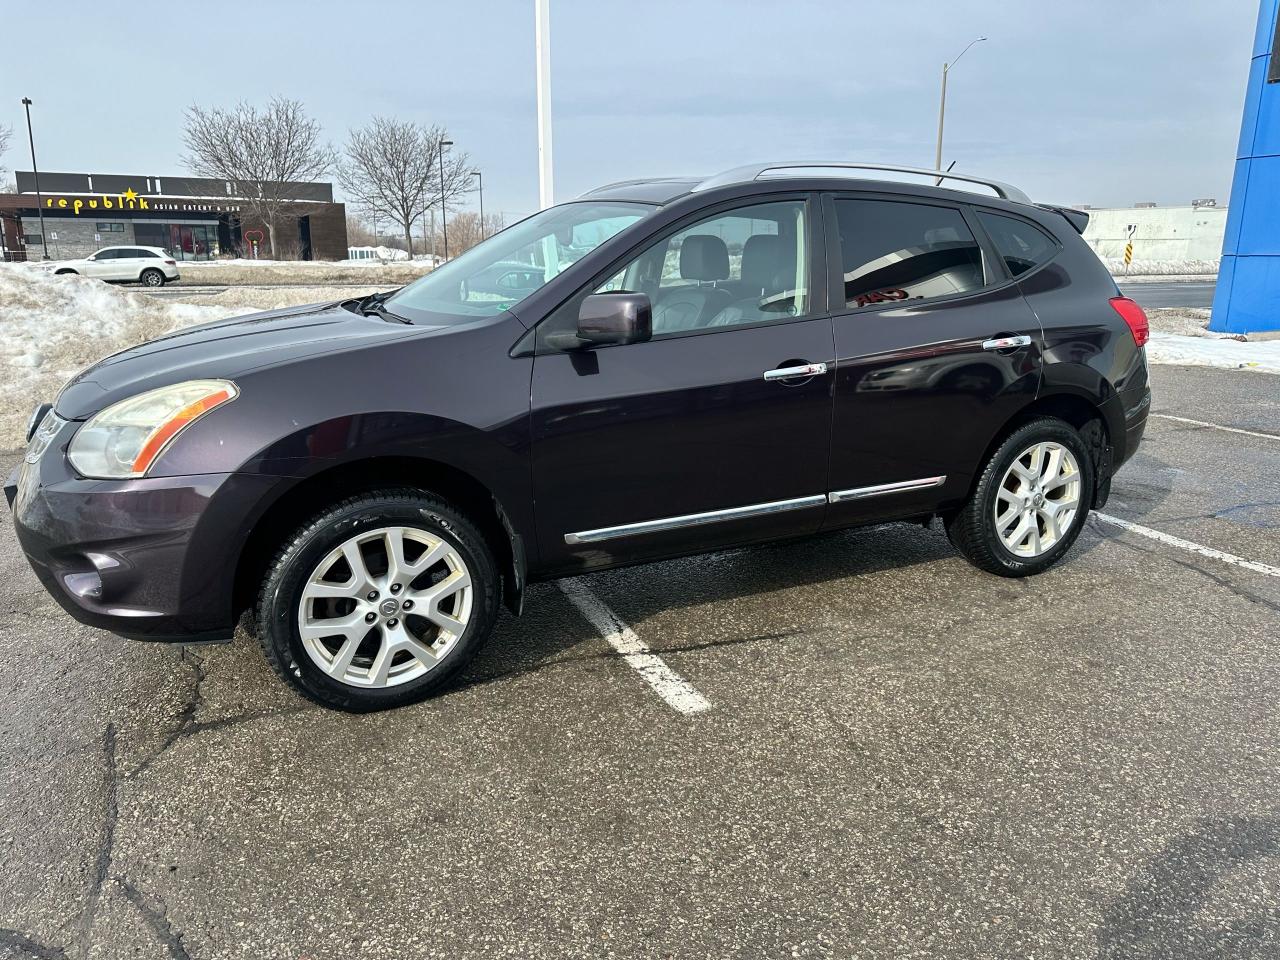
1248,294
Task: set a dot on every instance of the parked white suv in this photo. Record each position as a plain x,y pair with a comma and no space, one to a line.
147,265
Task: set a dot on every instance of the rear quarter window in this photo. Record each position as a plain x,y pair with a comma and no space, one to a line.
894,250
1021,245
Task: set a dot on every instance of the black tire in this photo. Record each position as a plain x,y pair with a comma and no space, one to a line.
65,273
151,277
972,529
281,593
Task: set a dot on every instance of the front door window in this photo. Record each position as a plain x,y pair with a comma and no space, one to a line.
742,266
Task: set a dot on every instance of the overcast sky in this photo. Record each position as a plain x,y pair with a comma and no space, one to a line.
1087,101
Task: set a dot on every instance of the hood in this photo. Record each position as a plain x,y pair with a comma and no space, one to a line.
224,348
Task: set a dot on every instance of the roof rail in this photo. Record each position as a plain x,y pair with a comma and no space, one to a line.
755,170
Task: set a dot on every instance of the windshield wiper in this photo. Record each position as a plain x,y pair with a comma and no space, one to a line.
386,314
373,304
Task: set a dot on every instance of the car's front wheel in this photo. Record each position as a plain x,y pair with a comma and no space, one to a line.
1029,503
152,278
378,601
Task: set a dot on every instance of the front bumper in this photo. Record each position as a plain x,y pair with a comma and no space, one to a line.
149,559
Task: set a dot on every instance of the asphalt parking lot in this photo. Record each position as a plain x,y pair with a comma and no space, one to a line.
899,756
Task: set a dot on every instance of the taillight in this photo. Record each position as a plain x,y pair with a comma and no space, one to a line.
1132,314
171,263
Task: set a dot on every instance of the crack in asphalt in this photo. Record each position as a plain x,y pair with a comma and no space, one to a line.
157,920
17,940
1222,581
1218,514
189,726
187,716
106,836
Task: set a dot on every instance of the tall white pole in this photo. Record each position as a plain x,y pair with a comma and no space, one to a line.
542,37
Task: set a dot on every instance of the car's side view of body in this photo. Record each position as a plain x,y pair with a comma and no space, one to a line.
699,364
150,266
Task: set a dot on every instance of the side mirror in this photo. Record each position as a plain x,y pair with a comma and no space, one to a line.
608,318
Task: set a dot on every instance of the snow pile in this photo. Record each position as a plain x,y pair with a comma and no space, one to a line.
1263,356
1188,321
1161,268
268,297
53,327
301,271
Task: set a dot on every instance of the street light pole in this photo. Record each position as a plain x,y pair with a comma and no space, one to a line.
480,180
542,43
942,105
44,237
444,226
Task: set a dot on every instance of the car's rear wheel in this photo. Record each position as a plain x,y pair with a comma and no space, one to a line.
1029,503
152,277
378,601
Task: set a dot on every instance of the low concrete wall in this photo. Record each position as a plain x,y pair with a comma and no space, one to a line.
1163,233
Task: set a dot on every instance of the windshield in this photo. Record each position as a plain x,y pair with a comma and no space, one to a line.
506,268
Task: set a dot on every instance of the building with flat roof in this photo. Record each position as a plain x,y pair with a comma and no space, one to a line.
194,218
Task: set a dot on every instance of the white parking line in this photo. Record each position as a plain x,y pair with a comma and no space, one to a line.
666,683
1216,426
1181,544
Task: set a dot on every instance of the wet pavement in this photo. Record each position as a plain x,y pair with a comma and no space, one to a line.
903,756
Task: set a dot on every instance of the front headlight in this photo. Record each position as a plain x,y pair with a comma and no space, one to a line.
124,440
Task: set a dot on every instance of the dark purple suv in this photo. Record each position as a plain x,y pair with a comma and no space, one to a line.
685,365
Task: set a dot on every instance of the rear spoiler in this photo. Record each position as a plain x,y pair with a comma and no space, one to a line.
1077,218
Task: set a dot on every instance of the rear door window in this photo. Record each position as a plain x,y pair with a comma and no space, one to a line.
1021,245
895,250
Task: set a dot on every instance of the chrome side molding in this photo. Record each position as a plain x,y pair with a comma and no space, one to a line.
753,510
694,519
859,493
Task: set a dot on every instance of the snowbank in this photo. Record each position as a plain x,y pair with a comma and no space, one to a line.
269,297
1188,321
301,271
1206,351
53,327
1161,268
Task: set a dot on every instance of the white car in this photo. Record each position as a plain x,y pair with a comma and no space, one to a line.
151,266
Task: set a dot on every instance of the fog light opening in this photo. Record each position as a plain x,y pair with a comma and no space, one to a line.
86,586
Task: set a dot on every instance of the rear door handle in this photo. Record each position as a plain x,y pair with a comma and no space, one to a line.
805,370
1006,343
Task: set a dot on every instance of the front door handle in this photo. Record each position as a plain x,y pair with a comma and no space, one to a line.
805,370
1006,343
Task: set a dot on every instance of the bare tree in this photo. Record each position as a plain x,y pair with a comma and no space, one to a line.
263,152
465,233
358,232
392,170
6,135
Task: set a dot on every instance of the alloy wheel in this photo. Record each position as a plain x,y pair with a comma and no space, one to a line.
385,607
1038,499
